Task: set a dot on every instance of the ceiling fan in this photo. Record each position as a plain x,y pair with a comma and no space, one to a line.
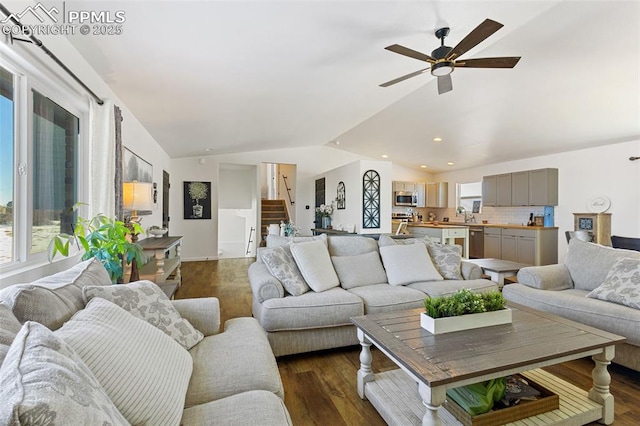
445,59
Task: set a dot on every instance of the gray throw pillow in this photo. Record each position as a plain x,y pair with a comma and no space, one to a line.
406,264
314,263
622,284
43,381
281,264
447,259
147,301
360,270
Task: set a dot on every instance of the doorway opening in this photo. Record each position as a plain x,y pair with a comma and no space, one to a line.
278,197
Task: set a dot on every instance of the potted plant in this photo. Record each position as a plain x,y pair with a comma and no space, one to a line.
104,238
325,211
197,191
464,310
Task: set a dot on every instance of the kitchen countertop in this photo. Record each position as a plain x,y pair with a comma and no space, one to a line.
475,225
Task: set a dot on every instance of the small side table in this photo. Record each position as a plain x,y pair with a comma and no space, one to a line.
164,259
499,269
169,289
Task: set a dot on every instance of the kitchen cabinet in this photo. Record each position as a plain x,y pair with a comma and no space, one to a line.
525,188
404,186
421,194
437,194
520,188
443,234
533,246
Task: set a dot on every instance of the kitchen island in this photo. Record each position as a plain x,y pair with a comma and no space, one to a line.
442,233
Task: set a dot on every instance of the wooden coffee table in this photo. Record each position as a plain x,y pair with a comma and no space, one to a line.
440,362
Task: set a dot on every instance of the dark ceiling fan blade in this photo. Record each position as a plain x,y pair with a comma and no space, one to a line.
396,48
404,77
444,84
475,37
504,62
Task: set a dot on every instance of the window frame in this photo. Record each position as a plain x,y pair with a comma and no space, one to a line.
29,75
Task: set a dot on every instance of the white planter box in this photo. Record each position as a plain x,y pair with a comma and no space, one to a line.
464,322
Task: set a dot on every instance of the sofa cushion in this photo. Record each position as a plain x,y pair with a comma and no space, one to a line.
144,371
266,409
589,263
622,284
43,381
54,299
351,246
147,301
281,265
277,240
237,360
9,327
448,287
572,304
406,264
388,298
386,240
359,270
315,265
330,308
446,258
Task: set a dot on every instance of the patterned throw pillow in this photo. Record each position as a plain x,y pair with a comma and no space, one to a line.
147,301
9,327
43,381
622,284
281,264
447,259
145,373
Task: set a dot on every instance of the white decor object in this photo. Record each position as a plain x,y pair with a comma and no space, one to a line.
157,232
599,204
464,322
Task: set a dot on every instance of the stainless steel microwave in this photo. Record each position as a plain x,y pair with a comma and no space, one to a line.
405,198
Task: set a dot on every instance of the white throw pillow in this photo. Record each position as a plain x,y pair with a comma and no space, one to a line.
406,264
147,301
360,270
44,382
622,284
281,264
314,263
145,372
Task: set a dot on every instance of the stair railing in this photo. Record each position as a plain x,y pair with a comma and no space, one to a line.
286,185
250,240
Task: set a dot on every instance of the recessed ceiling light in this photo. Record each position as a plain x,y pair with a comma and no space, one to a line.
450,163
385,156
337,142
209,149
437,139
423,166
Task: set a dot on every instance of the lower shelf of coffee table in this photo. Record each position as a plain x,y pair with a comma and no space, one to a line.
395,396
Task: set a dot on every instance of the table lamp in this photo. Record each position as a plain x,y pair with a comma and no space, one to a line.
136,196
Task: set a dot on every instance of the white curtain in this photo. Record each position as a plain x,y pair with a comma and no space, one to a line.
102,159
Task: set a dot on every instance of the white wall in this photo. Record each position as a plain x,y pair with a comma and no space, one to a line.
582,175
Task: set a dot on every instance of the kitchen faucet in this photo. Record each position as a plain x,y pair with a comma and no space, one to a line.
467,219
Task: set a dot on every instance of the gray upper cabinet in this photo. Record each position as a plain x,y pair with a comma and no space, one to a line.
543,187
437,194
420,193
526,188
520,189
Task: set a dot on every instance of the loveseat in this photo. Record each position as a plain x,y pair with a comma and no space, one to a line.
597,286
306,289
75,349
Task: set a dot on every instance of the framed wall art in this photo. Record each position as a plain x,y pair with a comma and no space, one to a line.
341,199
135,168
197,200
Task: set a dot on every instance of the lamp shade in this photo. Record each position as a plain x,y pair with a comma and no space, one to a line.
137,196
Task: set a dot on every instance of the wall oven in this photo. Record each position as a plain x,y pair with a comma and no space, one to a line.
405,198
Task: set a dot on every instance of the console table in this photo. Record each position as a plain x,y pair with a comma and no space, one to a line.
164,260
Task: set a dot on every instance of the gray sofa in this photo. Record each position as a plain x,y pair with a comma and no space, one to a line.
226,377
562,289
318,320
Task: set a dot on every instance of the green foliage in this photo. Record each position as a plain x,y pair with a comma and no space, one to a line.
463,302
106,239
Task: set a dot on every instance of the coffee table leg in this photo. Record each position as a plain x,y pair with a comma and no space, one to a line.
365,374
601,381
432,398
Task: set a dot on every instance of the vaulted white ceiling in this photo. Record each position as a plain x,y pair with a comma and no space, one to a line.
250,75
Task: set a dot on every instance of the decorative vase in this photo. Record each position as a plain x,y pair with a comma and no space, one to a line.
326,222
464,322
197,211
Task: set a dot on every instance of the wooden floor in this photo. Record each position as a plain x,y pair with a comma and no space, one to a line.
320,386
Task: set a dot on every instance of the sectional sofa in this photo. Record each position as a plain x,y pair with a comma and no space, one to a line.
306,289
75,349
597,286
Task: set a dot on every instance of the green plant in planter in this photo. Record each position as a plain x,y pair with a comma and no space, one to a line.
104,238
463,302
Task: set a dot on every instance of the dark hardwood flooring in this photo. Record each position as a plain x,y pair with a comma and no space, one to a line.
320,387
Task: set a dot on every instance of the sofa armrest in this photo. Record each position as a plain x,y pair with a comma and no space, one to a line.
202,313
470,271
547,277
264,286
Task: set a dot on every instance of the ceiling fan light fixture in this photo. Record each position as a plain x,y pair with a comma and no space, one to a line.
441,69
